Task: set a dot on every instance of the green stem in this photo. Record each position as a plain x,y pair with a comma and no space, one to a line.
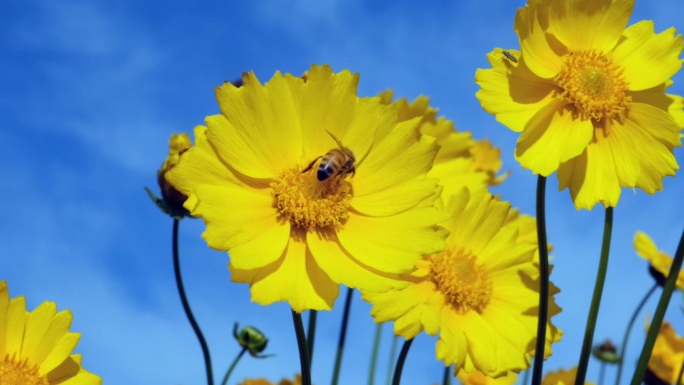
596,299
665,297
374,355
400,361
543,282
446,380
232,366
679,376
343,337
311,334
186,306
301,344
625,339
390,365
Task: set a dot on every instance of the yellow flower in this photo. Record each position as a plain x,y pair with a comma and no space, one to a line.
477,378
562,377
252,176
481,295
659,260
36,346
263,381
588,96
461,160
178,144
667,355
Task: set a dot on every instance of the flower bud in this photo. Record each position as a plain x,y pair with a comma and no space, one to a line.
606,352
172,200
252,339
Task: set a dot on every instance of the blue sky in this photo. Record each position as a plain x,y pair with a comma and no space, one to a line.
91,92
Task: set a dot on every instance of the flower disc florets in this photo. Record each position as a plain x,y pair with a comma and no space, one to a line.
464,283
307,202
594,85
13,371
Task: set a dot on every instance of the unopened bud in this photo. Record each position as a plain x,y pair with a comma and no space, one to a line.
252,339
606,352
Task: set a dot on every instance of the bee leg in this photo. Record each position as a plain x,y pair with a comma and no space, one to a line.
311,164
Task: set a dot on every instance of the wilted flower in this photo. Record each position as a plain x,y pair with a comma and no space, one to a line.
36,346
486,279
589,101
294,233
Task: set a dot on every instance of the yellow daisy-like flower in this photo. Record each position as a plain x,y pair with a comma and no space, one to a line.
36,346
254,176
562,377
263,381
667,355
477,378
588,96
481,295
659,260
461,160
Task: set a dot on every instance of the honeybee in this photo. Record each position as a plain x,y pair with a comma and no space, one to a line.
338,161
510,56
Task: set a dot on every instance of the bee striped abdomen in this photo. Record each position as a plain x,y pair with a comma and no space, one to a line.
331,164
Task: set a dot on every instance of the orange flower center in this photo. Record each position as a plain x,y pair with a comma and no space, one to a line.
463,281
307,202
594,85
13,372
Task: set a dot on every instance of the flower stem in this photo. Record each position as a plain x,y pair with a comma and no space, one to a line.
374,355
623,346
343,337
665,297
390,365
232,366
186,306
311,334
301,344
596,299
446,380
400,361
543,282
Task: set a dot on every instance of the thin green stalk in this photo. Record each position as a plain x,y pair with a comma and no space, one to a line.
301,344
625,339
186,305
543,282
232,366
665,297
311,334
343,337
390,365
374,355
446,380
400,361
679,376
596,299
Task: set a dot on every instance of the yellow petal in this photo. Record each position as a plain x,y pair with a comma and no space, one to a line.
244,136
589,24
399,157
343,268
552,137
395,199
37,324
541,54
238,220
452,346
648,59
295,278
4,314
16,325
58,328
393,244
515,94
64,347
